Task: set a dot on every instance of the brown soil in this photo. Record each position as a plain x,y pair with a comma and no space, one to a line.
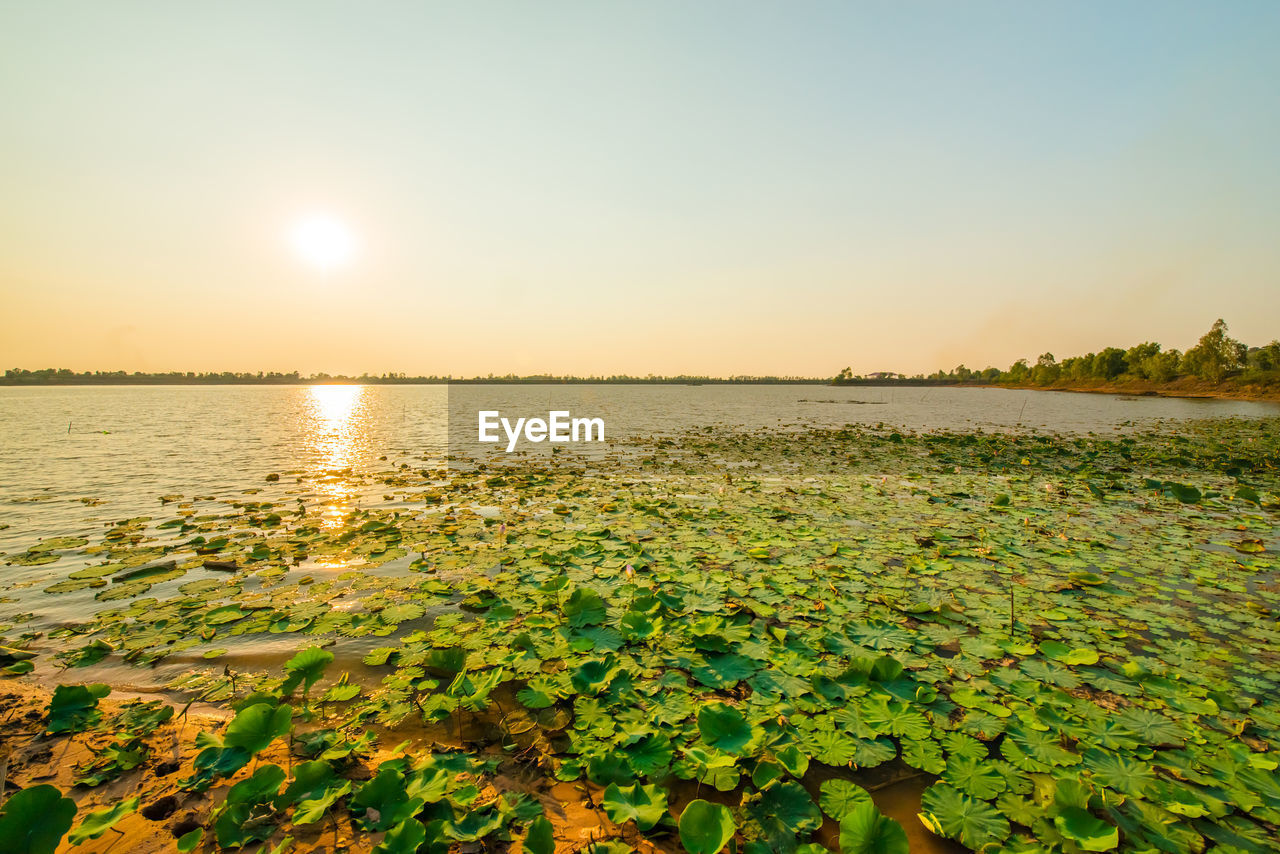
1186,387
166,811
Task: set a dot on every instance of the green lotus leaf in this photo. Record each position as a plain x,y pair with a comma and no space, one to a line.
794,760
188,841
974,776
310,779
306,668
1121,773
924,754
382,802
951,813
724,728
476,824
789,805
256,726
100,821
839,798
246,815
650,755
705,828
1087,831
865,830
645,805
1182,492
538,839
594,675
1067,655
584,607
8,655
225,614
34,820
74,708
724,671
406,837
896,718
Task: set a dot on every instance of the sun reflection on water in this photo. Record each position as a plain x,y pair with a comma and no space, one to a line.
336,432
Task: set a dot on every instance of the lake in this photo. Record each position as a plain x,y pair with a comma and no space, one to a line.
77,458
733,585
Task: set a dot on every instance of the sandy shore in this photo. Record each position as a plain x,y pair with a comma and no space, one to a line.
166,811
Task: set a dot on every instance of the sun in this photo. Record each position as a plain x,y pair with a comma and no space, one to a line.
323,241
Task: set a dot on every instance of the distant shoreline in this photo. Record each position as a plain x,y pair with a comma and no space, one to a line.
1186,388
125,381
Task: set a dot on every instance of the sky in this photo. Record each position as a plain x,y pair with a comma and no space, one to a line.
594,188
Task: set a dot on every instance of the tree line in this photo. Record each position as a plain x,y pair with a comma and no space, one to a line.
1216,358
64,376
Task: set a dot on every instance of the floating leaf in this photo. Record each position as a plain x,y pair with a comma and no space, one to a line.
645,805
705,828
840,797
1087,831
865,830
724,728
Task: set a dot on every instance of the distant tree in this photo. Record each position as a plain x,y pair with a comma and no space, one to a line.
1265,358
1018,371
1109,363
1046,370
1216,355
1082,367
1136,357
1162,367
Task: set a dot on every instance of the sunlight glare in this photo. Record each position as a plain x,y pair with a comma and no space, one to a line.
323,242
337,428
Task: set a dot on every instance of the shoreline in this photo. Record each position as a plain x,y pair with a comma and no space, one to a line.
1183,390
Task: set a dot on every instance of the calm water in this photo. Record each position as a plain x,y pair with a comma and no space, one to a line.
77,459
123,447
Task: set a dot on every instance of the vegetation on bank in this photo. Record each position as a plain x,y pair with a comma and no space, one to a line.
1217,366
1217,363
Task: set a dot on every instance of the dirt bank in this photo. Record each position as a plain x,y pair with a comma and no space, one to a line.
1186,387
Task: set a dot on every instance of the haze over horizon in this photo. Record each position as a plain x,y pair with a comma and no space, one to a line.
572,188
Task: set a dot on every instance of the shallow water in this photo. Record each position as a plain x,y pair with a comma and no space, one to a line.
76,459
126,446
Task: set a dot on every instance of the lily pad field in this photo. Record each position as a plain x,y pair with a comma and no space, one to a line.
867,640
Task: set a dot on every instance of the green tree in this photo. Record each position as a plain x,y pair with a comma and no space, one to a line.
1109,363
1217,354
1046,370
1136,358
1162,367
1265,358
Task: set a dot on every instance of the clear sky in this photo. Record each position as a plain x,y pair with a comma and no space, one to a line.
607,187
